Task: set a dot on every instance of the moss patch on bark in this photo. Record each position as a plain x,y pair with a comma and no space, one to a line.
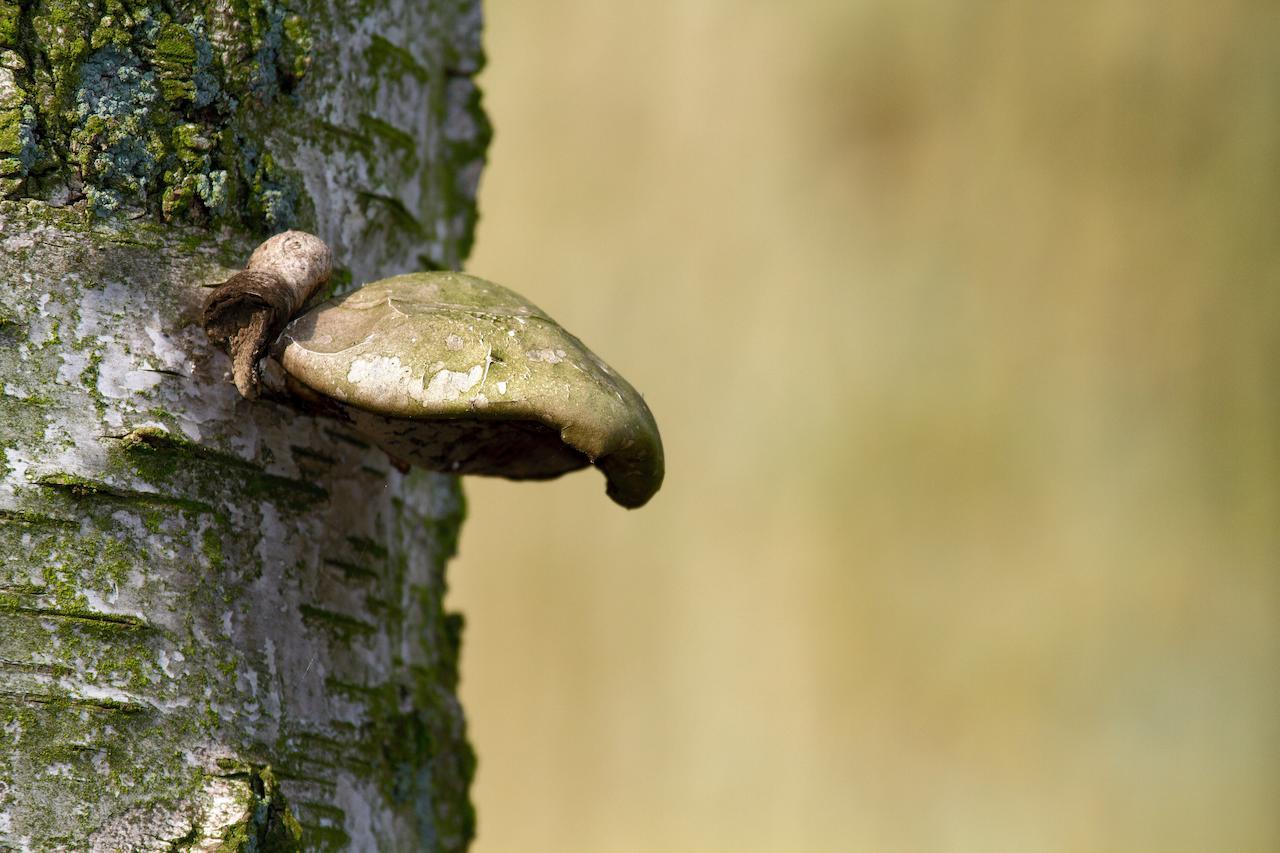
126,104
356,119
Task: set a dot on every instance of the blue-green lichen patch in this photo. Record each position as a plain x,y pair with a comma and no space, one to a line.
142,105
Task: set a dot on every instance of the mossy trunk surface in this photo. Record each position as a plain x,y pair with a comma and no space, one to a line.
221,621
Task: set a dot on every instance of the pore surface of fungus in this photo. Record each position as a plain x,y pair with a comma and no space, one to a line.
453,373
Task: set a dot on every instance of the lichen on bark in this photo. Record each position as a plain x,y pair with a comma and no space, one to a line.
251,113
196,587
218,617
148,105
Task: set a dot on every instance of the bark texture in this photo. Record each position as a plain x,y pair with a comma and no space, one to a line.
221,622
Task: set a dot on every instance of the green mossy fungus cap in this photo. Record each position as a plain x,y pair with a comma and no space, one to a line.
454,373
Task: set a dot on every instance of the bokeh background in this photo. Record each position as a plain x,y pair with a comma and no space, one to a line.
962,324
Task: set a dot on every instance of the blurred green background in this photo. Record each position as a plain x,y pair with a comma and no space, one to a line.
962,324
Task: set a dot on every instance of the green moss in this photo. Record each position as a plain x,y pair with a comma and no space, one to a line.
85,489
401,143
339,624
346,138
91,374
394,209
421,759
391,60
61,32
9,12
113,562
211,545
18,148
148,106
11,138
152,521
367,546
270,826
80,487
160,457
73,613
297,45
175,56
11,516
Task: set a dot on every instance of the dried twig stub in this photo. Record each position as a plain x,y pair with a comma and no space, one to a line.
248,311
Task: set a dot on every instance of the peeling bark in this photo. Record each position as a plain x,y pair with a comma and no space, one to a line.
221,621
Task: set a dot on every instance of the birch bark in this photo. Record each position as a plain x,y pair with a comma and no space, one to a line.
221,622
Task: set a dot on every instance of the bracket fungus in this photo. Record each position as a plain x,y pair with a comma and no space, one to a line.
441,370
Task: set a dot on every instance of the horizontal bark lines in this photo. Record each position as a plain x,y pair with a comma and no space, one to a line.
199,593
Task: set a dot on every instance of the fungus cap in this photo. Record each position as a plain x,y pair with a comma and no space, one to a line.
454,373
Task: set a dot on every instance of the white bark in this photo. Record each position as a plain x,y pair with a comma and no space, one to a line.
221,621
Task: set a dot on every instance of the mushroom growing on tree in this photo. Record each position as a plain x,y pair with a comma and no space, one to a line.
441,370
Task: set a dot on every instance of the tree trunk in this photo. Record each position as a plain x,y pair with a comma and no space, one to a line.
221,621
